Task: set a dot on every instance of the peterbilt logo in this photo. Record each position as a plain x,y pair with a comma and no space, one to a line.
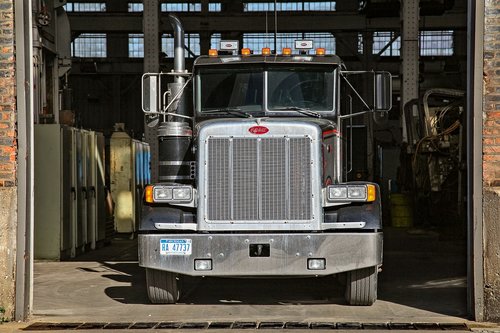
303,44
258,130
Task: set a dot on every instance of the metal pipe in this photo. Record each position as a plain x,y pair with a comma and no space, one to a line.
177,87
179,65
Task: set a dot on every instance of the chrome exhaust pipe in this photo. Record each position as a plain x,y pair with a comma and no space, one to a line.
179,62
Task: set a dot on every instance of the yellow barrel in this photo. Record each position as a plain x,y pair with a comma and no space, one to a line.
400,210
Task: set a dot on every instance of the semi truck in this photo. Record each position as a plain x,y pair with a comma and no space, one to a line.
252,170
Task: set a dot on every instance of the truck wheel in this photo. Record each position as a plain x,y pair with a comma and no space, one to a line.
162,286
361,286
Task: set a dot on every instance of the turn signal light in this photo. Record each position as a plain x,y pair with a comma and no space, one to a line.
213,53
320,51
149,194
287,51
266,51
245,51
371,193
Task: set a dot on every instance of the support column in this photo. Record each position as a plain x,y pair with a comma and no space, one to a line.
410,16
117,43
151,21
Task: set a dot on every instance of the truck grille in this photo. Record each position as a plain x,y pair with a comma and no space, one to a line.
266,179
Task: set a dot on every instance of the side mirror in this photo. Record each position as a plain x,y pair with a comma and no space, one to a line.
150,92
383,91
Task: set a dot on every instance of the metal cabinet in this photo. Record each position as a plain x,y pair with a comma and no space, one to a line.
55,192
69,191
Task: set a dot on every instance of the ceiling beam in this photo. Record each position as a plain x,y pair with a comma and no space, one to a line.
334,22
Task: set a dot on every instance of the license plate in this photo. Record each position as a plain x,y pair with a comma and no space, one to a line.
175,247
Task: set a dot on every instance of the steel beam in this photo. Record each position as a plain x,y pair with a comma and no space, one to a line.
25,205
410,17
475,229
150,24
133,23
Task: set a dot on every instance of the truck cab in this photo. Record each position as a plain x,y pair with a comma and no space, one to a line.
266,194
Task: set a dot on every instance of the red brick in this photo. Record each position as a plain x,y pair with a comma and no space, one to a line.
493,114
488,141
491,150
491,158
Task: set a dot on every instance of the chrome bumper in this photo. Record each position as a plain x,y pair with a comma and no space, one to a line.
288,255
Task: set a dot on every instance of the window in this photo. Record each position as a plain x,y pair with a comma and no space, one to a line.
214,7
382,40
328,6
135,7
256,41
361,45
89,46
432,43
181,7
306,87
192,43
436,43
320,6
215,41
85,7
136,45
243,87
303,86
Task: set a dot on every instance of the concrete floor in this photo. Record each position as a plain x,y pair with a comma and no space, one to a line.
423,280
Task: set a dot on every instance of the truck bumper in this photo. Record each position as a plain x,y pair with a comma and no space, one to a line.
235,254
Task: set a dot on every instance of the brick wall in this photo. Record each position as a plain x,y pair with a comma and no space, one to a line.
8,152
491,160
8,147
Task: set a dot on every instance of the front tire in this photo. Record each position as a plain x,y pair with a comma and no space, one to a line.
361,286
162,286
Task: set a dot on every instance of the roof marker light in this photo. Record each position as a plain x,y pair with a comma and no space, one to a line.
287,51
320,51
266,51
245,51
213,53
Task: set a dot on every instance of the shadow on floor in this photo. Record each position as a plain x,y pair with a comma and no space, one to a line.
412,275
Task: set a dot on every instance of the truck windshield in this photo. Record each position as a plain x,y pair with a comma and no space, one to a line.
223,88
289,88
303,87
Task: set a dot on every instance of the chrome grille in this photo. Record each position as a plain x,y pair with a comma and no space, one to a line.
266,179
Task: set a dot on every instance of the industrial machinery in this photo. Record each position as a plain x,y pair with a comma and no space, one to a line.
129,173
252,177
436,154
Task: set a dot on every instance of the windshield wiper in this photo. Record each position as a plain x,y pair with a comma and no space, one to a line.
307,112
236,111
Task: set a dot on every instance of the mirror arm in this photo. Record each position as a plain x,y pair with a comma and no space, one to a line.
357,94
352,115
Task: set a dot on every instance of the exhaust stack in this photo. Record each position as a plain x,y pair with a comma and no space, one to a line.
176,159
179,62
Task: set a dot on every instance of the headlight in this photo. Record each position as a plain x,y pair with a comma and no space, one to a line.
337,192
182,193
162,193
168,193
346,193
356,192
